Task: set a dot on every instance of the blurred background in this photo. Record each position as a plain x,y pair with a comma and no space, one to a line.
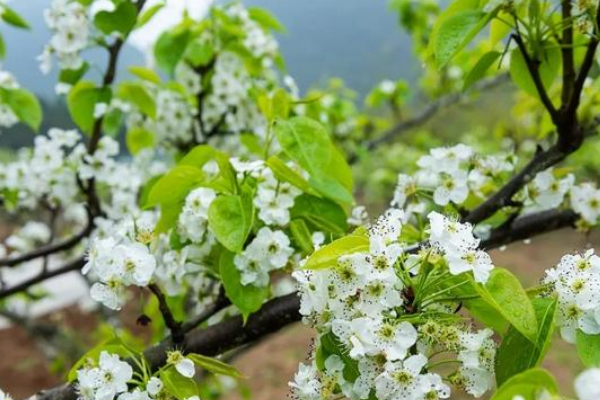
358,41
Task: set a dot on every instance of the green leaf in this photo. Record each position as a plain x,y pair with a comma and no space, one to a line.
82,100
286,174
169,215
503,291
122,19
145,73
329,187
215,366
253,144
455,32
322,214
328,255
175,185
548,67
247,298
301,235
72,76
588,349
265,19
179,386
170,48
481,67
25,106
230,217
12,18
138,139
516,353
528,384
199,53
111,122
306,141
147,15
137,94
330,345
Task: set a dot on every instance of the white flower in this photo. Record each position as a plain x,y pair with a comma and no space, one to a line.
154,386
463,260
306,385
359,216
587,385
183,365
402,379
105,381
585,200
450,234
453,188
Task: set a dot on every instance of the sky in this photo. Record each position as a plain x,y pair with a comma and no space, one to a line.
357,40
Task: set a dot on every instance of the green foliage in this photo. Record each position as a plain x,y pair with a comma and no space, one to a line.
481,67
517,353
122,19
145,73
137,94
330,345
528,384
548,67
247,298
504,293
179,386
25,106
327,256
170,48
230,217
215,366
588,348
82,100
321,214
138,139
265,19
9,16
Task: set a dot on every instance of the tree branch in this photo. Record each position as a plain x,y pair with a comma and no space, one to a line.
429,112
48,250
174,326
74,265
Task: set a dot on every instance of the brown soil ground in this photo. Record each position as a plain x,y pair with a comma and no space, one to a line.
271,364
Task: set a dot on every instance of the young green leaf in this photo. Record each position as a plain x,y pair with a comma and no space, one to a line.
328,255
137,94
122,19
25,106
517,353
481,67
588,348
145,73
147,15
230,217
82,100
215,366
170,48
265,19
549,62
247,298
177,385
174,186
322,214
301,235
9,16
305,141
503,291
528,384
138,139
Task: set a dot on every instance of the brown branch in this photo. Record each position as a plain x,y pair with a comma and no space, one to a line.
429,112
567,52
74,265
533,68
174,326
47,250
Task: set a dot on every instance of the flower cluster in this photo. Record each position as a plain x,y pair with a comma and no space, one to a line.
361,308
576,281
122,259
70,26
458,176
105,380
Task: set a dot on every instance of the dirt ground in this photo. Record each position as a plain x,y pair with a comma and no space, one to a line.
271,364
